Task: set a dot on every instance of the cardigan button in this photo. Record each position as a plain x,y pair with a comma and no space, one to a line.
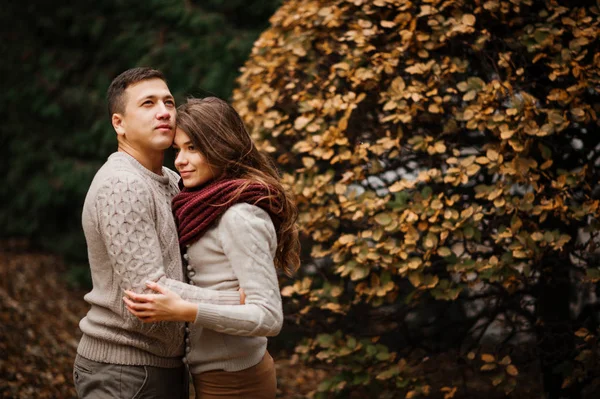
186,257
189,267
191,274
184,360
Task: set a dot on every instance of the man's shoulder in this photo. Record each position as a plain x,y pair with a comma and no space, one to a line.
114,174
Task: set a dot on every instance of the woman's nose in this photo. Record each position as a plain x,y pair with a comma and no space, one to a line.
180,159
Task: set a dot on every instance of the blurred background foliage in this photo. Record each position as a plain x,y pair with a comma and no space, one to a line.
59,58
445,158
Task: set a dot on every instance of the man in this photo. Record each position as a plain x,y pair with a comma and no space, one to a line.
132,239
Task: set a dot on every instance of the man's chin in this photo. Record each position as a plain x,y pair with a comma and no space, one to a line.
163,144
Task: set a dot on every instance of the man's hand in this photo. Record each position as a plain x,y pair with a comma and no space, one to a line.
164,306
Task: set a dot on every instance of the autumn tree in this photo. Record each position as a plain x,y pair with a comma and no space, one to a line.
444,156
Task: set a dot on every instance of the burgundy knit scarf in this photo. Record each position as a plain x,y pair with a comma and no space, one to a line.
197,209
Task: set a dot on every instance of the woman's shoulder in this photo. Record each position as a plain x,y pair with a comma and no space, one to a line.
249,226
245,212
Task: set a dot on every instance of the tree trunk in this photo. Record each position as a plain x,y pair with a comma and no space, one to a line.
555,335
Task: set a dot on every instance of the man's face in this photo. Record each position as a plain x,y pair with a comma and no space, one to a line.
148,123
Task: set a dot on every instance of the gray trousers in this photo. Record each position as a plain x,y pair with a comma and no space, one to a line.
94,380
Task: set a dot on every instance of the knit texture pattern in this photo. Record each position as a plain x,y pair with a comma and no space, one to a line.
198,208
238,251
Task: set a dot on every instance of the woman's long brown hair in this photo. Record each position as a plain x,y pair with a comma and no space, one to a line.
218,132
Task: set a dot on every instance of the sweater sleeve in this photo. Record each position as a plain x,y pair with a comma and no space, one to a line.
127,224
249,240
195,294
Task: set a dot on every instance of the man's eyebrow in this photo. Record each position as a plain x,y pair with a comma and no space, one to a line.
154,96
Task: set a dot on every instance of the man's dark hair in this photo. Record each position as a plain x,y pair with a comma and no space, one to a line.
116,90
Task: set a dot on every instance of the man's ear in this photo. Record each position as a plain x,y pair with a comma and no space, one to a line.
118,124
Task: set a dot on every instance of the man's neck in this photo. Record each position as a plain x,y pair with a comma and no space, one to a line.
153,161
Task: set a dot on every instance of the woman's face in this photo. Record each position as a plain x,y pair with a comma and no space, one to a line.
190,163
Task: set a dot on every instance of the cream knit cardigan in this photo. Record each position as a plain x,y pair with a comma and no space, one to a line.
237,252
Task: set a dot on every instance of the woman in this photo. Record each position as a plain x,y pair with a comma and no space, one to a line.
237,225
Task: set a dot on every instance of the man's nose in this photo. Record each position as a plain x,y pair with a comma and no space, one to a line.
163,112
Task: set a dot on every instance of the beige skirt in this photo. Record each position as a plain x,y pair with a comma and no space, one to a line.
255,382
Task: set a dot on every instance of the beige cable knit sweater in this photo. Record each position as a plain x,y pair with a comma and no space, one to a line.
238,251
132,238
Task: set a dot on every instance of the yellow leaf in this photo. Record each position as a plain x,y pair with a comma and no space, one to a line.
582,332
383,219
470,95
468,19
358,273
519,254
486,357
287,291
492,154
506,134
471,170
430,281
414,263
497,380
308,162
444,251
537,236
505,361
336,291
434,108
346,239
301,122
512,370
415,279
462,86
436,204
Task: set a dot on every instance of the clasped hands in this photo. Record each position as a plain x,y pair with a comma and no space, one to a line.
164,306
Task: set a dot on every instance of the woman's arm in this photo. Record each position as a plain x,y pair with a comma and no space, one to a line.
249,240
164,306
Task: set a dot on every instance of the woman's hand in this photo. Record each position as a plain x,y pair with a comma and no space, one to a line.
165,306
